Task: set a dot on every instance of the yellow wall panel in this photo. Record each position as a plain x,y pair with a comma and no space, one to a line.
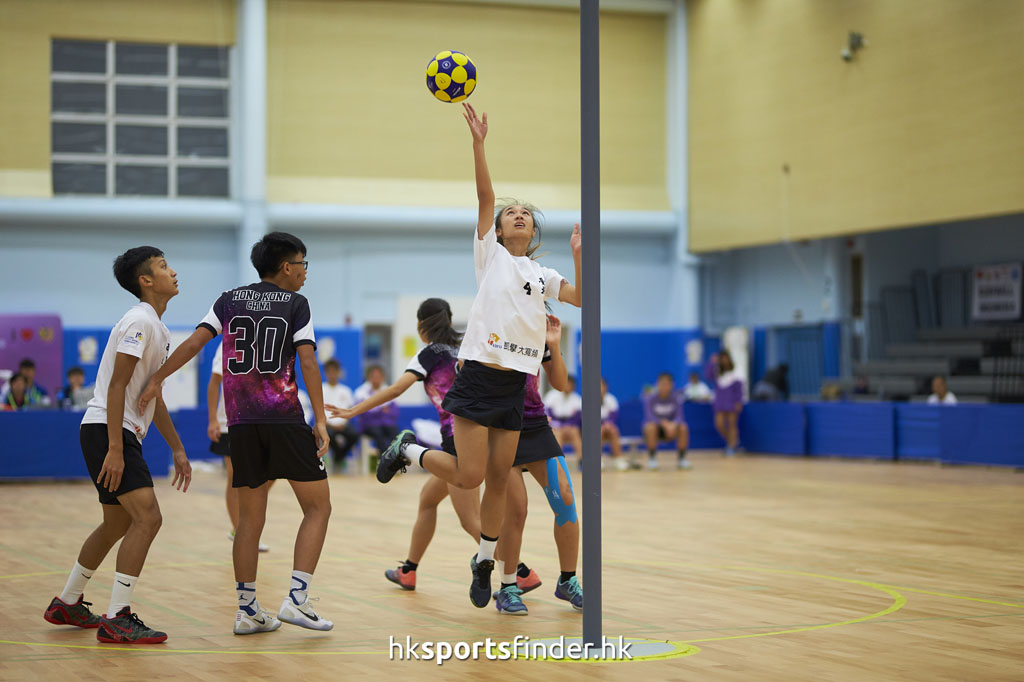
350,119
923,126
26,27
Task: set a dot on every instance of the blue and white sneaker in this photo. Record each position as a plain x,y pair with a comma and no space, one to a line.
392,460
509,601
571,592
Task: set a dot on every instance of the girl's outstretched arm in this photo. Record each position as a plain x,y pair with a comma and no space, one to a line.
484,189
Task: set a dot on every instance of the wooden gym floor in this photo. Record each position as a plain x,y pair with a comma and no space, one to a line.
756,568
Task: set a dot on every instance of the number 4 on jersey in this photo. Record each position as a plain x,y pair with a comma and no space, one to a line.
529,290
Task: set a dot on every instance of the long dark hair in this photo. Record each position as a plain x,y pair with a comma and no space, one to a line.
435,322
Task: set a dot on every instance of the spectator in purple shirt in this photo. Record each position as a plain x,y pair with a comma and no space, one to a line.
728,401
663,421
380,423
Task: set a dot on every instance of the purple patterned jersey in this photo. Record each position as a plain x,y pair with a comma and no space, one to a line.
262,324
533,405
435,367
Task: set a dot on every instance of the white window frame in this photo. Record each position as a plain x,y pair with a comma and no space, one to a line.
171,121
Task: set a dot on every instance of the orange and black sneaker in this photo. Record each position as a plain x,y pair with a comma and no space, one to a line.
530,581
404,579
127,628
77,614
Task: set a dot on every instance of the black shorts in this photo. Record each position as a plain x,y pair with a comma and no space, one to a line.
221,447
448,445
490,397
662,436
537,443
94,448
264,452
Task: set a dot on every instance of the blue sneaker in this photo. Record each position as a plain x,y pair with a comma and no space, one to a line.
571,592
480,588
392,460
509,602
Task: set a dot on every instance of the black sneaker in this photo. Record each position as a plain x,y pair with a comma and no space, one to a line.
126,628
392,460
480,588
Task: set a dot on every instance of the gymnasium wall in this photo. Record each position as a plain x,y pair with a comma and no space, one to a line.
349,119
26,27
921,127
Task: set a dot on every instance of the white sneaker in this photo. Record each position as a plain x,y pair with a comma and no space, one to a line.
302,615
262,546
652,464
685,464
249,625
621,464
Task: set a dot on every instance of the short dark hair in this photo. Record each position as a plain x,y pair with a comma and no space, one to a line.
132,264
370,368
667,375
15,377
76,370
27,362
268,253
332,363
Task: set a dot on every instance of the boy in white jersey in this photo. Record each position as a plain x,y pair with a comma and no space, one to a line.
266,327
111,436
503,344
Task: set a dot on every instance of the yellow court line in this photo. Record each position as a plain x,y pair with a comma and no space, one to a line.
958,596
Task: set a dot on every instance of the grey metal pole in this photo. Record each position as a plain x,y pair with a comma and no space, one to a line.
590,224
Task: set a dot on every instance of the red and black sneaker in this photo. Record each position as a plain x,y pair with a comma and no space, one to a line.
127,628
77,614
530,582
404,579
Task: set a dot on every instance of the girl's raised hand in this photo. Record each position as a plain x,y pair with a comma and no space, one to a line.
477,126
576,240
553,332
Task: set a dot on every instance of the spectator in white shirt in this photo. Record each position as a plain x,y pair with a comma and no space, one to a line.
340,431
564,408
941,395
696,391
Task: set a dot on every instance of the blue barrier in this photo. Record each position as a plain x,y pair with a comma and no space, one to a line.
851,429
777,428
917,432
982,434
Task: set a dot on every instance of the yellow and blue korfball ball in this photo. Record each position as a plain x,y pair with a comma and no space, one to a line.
451,76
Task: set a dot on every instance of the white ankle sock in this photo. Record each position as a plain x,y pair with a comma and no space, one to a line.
413,451
76,584
508,578
247,597
486,549
121,595
300,587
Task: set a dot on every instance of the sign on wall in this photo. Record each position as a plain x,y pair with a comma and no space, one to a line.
997,292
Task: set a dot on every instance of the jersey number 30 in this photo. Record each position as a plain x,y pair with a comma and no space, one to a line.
257,344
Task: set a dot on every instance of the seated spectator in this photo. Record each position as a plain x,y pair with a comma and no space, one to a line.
609,427
774,386
728,401
74,396
696,391
941,395
860,386
381,423
341,432
16,398
564,408
663,421
34,393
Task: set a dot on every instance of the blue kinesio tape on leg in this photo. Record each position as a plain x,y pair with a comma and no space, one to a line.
564,513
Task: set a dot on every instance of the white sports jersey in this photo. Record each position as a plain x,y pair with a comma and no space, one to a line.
218,368
507,321
141,334
609,406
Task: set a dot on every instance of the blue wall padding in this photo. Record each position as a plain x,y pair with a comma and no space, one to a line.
759,356
831,340
701,421
777,428
918,431
851,429
46,445
982,434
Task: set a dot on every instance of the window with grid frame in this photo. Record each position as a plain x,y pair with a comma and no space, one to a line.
137,119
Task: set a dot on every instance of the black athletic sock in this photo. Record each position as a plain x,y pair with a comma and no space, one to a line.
682,453
409,566
523,571
652,453
504,585
566,576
